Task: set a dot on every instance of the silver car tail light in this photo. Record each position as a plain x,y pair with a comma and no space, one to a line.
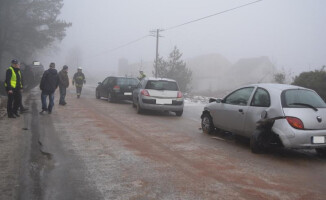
295,122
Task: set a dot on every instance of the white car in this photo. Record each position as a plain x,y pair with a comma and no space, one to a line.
286,115
158,94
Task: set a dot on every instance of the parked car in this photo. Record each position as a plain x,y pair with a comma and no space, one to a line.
116,88
271,114
158,94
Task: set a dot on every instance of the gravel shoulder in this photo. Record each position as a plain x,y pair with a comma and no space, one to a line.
12,142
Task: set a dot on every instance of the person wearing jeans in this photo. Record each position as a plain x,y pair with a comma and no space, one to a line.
46,107
49,83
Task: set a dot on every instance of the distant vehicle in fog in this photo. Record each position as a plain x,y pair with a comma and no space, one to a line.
158,94
271,114
116,88
32,74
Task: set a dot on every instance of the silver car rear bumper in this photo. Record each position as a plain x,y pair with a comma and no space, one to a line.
159,107
295,138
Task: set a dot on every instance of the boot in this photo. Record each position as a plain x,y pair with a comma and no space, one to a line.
23,109
10,115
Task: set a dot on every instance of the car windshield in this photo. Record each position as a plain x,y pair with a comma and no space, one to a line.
127,81
162,85
301,98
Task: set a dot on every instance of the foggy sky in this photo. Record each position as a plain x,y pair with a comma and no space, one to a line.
292,33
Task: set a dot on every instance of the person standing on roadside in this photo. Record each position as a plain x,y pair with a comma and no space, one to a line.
13,84
49,83
63,84
141,75
79,80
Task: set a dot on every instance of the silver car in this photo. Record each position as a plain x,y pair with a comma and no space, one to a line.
158,94
271,114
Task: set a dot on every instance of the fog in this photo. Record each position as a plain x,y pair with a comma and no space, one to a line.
291,34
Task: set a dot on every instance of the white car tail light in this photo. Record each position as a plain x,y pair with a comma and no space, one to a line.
179,94
144,93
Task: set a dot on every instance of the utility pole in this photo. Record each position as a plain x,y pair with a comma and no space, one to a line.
156,33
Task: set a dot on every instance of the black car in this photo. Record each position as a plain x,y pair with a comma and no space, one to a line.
116,88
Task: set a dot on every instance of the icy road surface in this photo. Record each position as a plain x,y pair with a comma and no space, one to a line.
93,149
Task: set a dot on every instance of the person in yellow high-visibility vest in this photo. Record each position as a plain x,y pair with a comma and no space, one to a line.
13,84
141,75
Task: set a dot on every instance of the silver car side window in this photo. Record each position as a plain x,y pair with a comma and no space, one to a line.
239,97
261,98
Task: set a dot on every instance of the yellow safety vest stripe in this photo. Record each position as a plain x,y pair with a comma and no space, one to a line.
13,80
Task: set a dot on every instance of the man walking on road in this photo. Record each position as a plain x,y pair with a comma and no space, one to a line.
48,85
63,84
13,86
79,80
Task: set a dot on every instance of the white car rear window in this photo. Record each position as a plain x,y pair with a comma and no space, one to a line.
162,85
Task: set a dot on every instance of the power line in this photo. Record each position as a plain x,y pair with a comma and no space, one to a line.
177,26
212,15
124,45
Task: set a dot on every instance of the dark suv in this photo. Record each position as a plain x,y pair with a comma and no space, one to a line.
116,88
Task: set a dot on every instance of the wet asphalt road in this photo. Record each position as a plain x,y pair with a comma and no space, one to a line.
93,149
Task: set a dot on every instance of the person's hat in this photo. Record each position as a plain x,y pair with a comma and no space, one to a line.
52,65
79,68
14,61
65,67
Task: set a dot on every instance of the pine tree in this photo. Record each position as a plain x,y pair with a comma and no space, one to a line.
28,26
175,68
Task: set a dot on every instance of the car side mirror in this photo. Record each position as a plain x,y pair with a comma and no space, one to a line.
99,83
211,100
219,100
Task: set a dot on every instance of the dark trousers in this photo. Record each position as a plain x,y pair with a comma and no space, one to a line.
14,101
79,89
63,91
46,107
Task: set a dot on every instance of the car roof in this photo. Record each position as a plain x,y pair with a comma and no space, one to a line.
159,79
120,77
276,86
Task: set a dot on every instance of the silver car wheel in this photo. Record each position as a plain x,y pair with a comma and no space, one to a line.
206,124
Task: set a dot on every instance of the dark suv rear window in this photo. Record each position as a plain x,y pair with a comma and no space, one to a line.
301,96
127,81
162,85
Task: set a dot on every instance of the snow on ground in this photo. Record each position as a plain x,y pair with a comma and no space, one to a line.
196,100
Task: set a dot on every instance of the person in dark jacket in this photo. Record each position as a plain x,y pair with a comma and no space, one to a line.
13,84
79,80
63,84
49,83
